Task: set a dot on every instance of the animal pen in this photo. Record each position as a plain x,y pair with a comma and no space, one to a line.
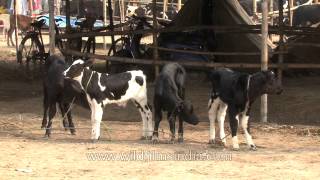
244,26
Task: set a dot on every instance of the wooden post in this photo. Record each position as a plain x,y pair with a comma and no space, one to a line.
271,10
16,24
57,7
165,8
68,26
281,48
254,7
155,34
111,24
290,11
179,5
31,7
271,19
123,13
104,22
52,31
264,57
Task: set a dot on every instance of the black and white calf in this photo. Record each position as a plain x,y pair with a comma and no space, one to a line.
169,96
102,89
234,92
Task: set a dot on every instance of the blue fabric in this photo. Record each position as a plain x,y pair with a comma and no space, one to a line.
62,22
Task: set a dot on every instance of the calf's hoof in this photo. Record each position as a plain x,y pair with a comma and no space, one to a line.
143,138
155,140
73,132
211,141
148,138
180,140
235,148
95,140
47,135
253,147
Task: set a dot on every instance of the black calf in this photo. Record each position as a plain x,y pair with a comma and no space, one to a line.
235,92
61,91
169,96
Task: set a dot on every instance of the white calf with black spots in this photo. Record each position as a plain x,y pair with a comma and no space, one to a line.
102,89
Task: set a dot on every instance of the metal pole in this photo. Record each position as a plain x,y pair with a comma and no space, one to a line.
264,57
52,31
155,38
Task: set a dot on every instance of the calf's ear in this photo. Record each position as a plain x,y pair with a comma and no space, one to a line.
88,62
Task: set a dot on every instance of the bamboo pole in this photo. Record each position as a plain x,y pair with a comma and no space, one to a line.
281,48
290,11
264,58
271,10
271,18
155,36
218,29
179,5
254,7
165,8
111,24
190,63
16,24
52,31
104,22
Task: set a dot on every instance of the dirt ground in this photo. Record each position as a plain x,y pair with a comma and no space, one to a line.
288,147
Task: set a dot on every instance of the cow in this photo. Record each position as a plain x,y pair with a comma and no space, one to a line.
102,89
169,96
59,90
306,15
234,92
24,24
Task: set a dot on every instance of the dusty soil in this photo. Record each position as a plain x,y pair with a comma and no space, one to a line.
288,148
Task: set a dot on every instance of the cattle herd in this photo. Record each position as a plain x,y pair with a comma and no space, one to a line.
232,92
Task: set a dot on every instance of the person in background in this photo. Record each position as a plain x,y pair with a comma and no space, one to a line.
21,6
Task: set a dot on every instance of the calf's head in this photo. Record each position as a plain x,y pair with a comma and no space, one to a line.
186,113
271,84
76,68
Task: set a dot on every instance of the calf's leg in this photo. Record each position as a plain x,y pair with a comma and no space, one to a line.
52,113
146,116
63,112
172,123
69,116
180,131
221,115
96,117
244,124
45,109
157,120
234,127
212,113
